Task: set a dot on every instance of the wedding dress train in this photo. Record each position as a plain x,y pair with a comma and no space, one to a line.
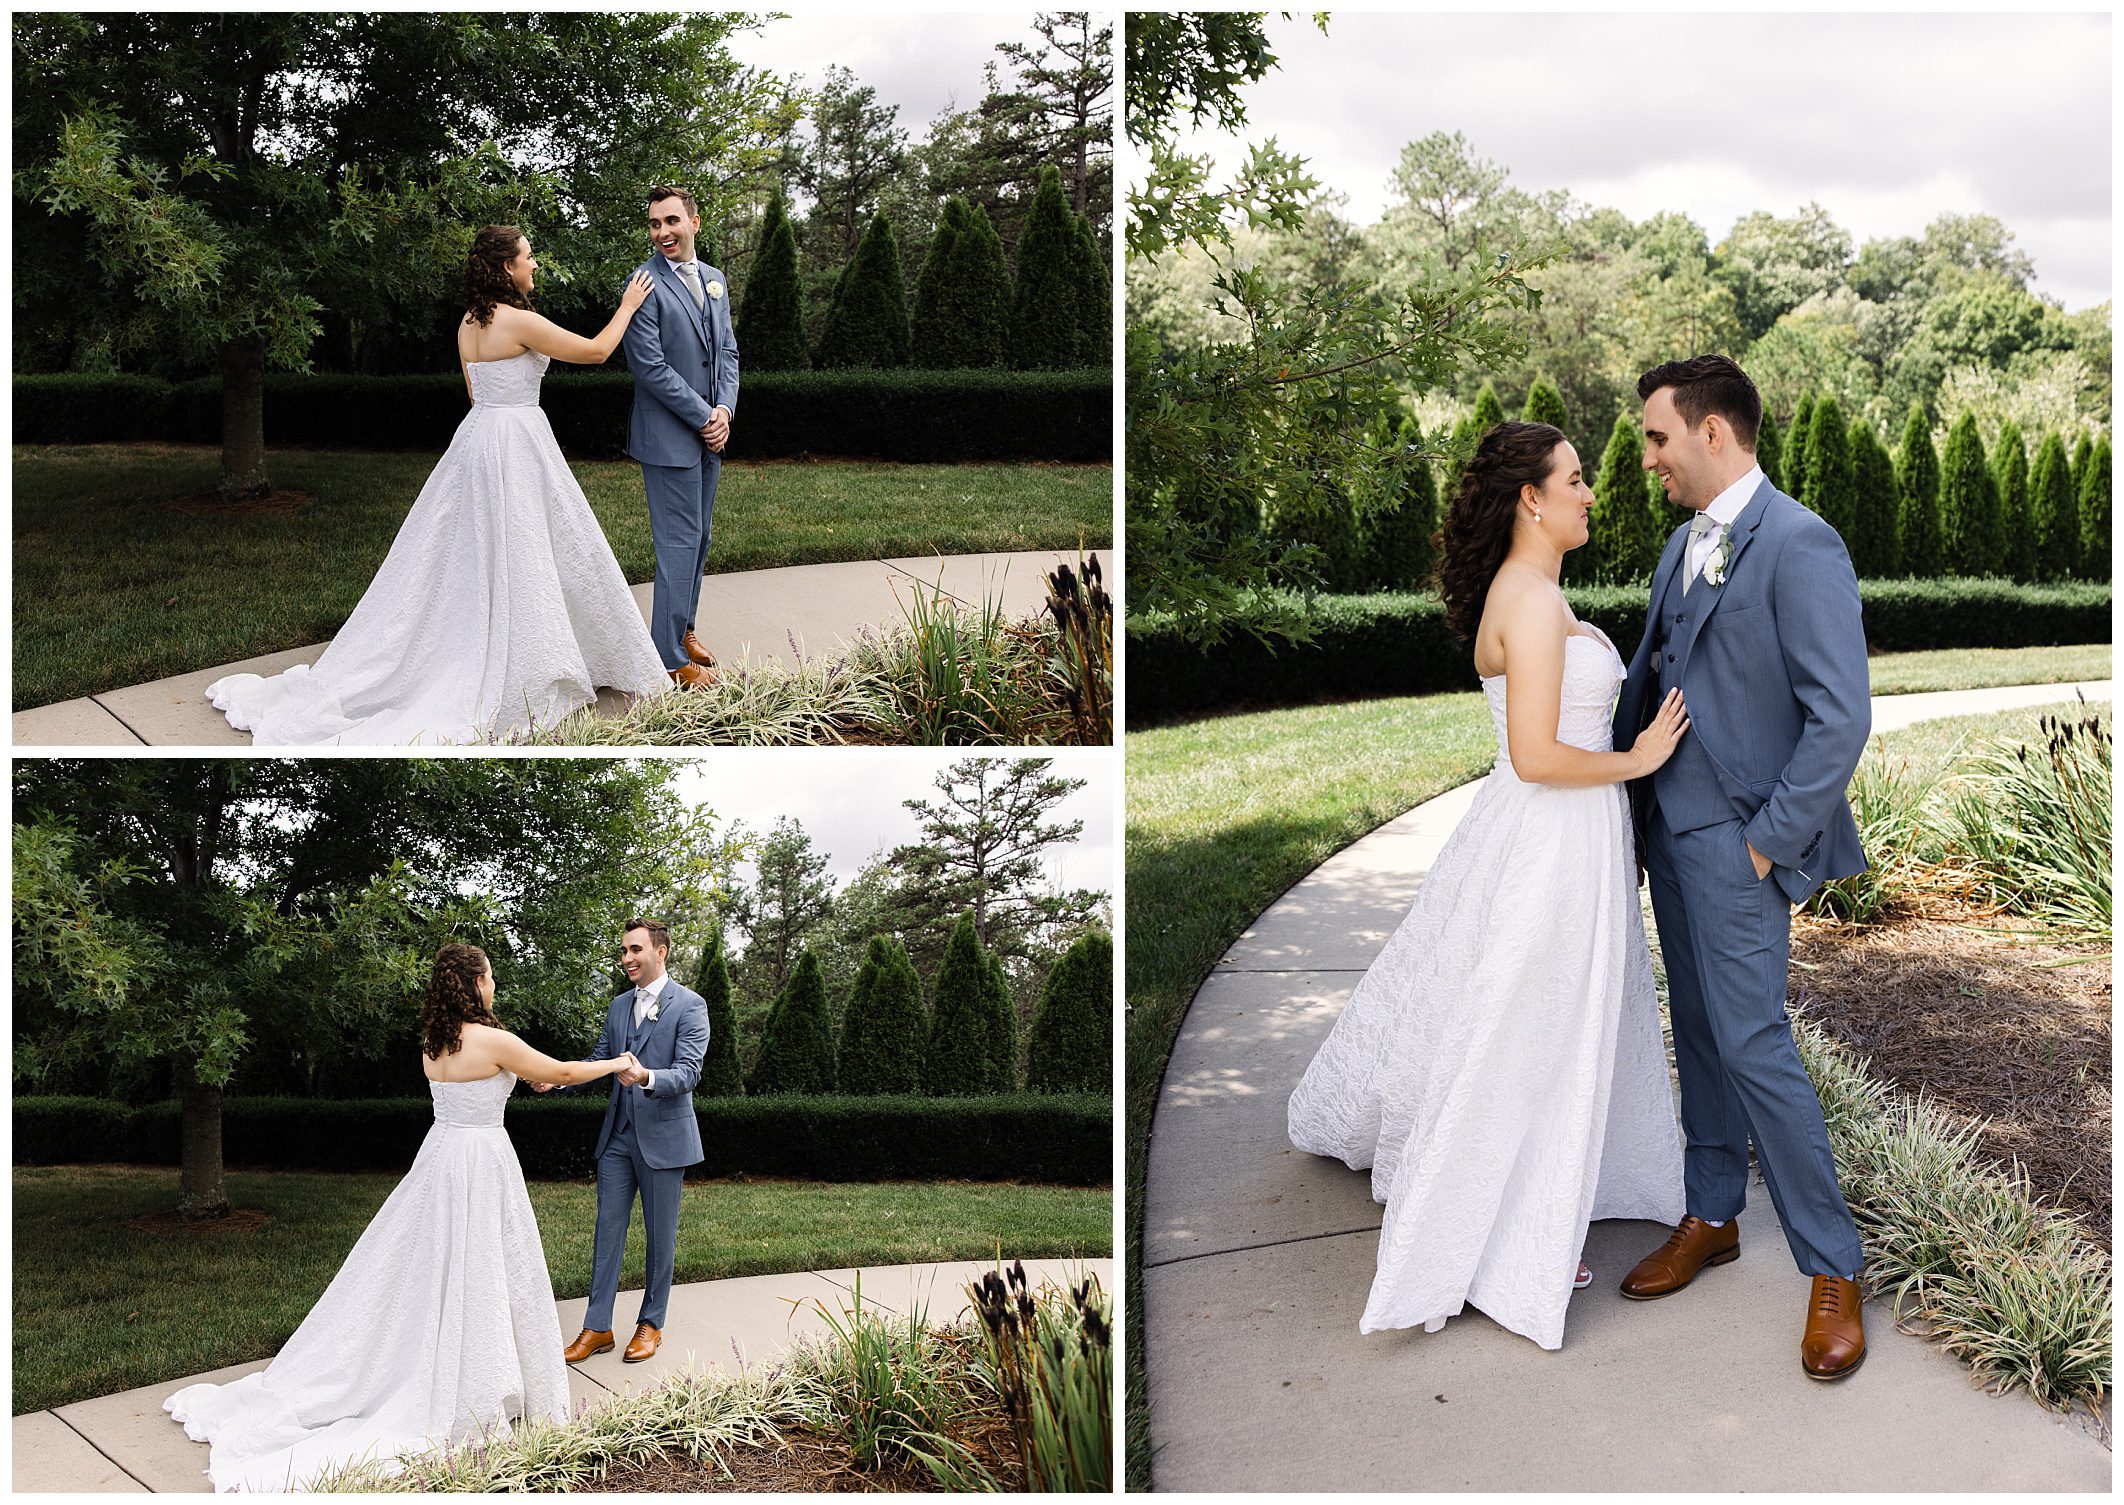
499,608
1499,1067
439,1327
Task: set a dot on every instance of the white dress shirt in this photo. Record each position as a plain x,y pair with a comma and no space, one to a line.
644,995
1724,508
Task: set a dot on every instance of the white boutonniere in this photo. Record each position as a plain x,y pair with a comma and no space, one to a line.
655,1006
715,289
1721,556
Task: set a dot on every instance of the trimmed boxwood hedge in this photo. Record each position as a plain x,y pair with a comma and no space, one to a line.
1398,644
909,415
1022,1137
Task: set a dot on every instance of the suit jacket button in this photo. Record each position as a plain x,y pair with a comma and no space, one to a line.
1670,658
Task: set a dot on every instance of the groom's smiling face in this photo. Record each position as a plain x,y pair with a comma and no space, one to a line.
641,958
672,229
1678,454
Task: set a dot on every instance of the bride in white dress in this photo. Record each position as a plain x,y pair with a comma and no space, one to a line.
500,608
1499,1067
440,1326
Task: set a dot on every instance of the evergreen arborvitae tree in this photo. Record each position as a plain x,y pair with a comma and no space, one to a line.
1873,481
1917,499
1398,540
1796,447
956,1061
1626,537
1769,450
2082,452
1095,300
1546,405
1489,410
884,1030
1969,503
2053,512
2009,478
796,1054
1001,1016
770,327
1046,306
1832,491
963,300
867,325
1460,448
721,1075
1072,1043
2093,501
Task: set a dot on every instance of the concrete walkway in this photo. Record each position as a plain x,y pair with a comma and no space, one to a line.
750,616
126,1443
1257,1259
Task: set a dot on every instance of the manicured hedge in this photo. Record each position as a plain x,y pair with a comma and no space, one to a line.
909,415
1398,644
1021,1137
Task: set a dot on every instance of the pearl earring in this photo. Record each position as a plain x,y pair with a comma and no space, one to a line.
1537,514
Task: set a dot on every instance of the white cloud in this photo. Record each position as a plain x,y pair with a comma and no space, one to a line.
923,62
1887,121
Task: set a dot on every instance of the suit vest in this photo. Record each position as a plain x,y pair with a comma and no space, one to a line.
1686,787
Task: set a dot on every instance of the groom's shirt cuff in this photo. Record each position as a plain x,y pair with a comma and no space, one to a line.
650,1085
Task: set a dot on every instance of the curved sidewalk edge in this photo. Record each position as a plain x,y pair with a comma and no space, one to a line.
126,1444
752,616
1257,1259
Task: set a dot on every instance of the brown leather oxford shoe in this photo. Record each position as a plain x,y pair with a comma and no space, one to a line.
1692,1245
587,1343
697,650
1834,1343
692,677
644,1345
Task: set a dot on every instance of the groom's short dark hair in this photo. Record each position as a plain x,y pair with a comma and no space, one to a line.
658,935
658,195
1706,384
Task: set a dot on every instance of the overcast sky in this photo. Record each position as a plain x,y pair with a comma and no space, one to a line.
850,803
1886,120
922,61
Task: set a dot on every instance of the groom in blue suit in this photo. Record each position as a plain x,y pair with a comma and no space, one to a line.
1755,615
683,355
649,1136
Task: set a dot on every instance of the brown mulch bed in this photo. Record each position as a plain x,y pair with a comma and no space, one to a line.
1958,1001
803,1463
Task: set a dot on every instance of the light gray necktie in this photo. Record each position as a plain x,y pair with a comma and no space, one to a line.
692,273
1699,525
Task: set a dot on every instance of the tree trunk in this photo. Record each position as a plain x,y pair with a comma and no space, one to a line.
201,1190
243,460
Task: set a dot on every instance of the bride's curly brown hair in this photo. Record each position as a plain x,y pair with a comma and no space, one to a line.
1477,533
453,999
487,280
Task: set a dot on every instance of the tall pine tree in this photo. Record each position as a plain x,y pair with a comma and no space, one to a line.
770,327
796,1053
1832,492
867,325
2009,477
884,1030
2053,512
1969,503
1917,499
721,1075
1046,308
1072,1044
963,299
1873,482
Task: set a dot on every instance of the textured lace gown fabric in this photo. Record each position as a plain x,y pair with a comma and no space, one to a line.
499,608
439,1326
1499,1067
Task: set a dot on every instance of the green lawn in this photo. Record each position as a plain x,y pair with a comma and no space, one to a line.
1224,814
113,587
101,1306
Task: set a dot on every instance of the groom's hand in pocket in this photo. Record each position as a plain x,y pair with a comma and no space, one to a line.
1762,863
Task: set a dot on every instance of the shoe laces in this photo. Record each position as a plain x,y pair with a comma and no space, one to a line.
1682,1231
1828,1296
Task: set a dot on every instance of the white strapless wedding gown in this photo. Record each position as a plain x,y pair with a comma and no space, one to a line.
439,1327
499,608
1499,1066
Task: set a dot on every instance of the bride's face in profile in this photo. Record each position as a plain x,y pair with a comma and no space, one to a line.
521,266
1563,500
486,988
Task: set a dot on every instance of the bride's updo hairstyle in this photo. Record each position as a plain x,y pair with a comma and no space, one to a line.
1477,533
487,280
453,999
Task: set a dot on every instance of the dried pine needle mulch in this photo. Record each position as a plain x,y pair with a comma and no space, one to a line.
800,1463
1989,1032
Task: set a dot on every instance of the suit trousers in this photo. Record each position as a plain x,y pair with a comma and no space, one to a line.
1726,936
621,1173
681,514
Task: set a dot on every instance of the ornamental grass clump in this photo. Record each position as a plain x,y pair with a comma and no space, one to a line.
1051,1361
2012,1289
2032,824
1890,805
893,1387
